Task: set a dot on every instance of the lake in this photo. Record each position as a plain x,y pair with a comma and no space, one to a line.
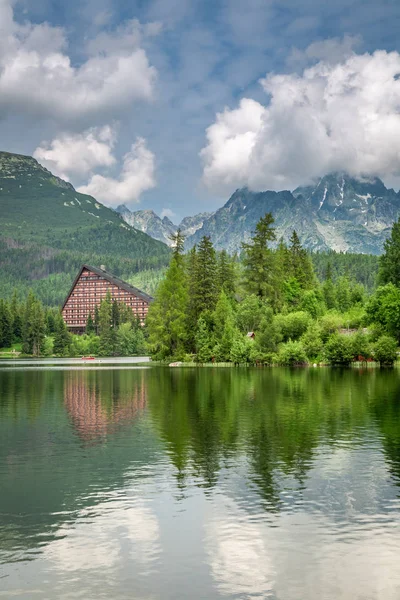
156,483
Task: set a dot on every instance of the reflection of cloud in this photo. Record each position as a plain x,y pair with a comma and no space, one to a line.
100,541
239,560
94,419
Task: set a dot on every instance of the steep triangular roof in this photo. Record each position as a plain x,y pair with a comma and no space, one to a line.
112,279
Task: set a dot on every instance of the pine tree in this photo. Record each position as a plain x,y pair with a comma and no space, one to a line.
299,263
16,318
178,242
258,259
204,284
106,331
389,264
223,311
6,327
27,346
62,338
115,319
226,273
96,319
204,342
167,316
37,328
328,289
90,327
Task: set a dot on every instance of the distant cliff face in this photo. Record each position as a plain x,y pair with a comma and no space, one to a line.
161,229
337,212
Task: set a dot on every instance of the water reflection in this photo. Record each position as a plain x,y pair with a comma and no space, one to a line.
97,405
200,483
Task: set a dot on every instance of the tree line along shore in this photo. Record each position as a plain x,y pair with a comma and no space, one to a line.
275,305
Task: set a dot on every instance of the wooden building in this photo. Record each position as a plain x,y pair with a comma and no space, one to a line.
90,288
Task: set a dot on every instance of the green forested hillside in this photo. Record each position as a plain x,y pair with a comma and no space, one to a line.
47,230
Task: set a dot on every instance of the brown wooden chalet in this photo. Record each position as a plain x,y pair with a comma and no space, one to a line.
90,288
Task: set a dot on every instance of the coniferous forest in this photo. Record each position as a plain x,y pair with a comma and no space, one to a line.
274,304
277,304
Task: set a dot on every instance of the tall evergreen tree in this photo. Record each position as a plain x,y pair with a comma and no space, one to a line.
226,273
167,316
389,267
178,242
16,318
96,319
106,330
62,338
90,327
204,284
328,289
115,318
299,263
258,259
6,327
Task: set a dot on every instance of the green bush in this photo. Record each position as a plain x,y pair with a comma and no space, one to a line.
292,353
330,323
292,325
385,350
360,345
338,349
312,342
312,302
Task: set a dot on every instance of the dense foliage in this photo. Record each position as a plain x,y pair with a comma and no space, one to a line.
272,308
33,329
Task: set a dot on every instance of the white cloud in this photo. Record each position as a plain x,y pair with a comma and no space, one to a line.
37,76
137,176
167,212
343,116
78,154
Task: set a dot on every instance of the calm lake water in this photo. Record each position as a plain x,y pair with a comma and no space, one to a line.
151,483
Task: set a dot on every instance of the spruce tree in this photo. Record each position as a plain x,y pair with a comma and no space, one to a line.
16,318
96,319
389,263
204,342
167,316
204,285
6,328
328,289
178,242
299,263
226,273
90,327
106,331
115,319
258,259
37,328
62,337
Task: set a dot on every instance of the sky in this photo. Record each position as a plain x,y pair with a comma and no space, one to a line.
174,104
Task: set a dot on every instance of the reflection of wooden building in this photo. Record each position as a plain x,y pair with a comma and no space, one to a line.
90,288
96,411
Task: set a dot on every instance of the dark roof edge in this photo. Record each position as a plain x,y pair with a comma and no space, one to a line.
112,279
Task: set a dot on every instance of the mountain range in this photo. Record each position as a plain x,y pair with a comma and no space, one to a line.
48,229
336,212
159,228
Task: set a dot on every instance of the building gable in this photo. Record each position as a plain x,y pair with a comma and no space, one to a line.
91,287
